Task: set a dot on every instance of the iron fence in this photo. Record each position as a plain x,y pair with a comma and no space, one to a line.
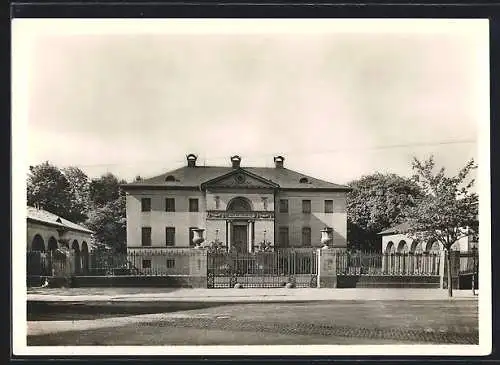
383,264
262,269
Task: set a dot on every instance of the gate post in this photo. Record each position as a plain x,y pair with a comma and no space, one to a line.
198,268
327,270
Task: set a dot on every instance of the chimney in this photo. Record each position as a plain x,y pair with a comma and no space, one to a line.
278,161
235,160
191,160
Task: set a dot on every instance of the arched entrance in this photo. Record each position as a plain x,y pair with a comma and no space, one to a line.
85,257
38,244
240,231
76,256
52,246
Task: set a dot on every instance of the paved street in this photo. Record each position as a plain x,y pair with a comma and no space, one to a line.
313,322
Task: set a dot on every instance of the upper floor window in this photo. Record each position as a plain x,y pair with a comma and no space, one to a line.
169,204
146,236
306,236
170,236
217,202
193,205
328,206
146,204
306,206
283,206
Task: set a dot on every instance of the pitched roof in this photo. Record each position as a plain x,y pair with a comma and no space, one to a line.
43,216
399,228
193,177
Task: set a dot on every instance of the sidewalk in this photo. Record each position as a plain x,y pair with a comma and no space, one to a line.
240,295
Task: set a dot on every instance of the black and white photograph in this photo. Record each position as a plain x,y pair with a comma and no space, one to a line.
251,186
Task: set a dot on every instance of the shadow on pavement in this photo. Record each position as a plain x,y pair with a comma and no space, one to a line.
67,311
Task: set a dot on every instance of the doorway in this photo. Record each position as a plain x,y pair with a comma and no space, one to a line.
240,238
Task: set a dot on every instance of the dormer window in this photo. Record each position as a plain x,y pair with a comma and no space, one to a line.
303,180
58,220
170,178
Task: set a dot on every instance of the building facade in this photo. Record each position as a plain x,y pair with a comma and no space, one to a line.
394,240
46,233
241,207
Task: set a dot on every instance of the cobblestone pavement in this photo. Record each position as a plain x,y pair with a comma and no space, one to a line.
397,322
303,328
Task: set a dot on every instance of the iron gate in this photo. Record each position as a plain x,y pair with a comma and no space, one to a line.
262,269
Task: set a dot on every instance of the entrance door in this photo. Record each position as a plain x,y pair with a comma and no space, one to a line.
240,238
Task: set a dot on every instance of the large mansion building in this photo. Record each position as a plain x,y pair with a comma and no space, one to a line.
236,205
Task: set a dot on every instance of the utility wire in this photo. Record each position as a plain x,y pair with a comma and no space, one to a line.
294,152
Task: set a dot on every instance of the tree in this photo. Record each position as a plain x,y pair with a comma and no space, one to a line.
107,216
449,209
376,202
79,189
48,188
105,189
109,224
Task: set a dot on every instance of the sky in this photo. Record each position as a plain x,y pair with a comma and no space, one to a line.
337,103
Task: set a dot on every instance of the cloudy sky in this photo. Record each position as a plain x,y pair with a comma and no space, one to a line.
338,104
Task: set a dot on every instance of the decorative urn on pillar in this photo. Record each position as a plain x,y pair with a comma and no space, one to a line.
326,237
198,238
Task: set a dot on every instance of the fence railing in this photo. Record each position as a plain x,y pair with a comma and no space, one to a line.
283,262
277,263
373,264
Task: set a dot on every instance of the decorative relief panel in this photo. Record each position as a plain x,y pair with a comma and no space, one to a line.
212,214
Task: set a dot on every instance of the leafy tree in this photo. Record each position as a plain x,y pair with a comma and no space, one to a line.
48,188
79,189
376,202
105,189
109,224
449,209
107,216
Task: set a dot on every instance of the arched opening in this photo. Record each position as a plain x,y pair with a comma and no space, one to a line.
390,247
76,252
52,246
432,247
239,204
416,247
38,244
85,256
402,247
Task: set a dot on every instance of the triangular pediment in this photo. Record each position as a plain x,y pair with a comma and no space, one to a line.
239,178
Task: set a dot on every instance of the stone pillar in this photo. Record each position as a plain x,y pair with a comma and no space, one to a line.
327,270
198,269
249,245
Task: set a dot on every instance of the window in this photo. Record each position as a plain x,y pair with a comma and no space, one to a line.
169,204
170,236
170,263
217,202
170,178
303,180
306,206
283,237
146,236
283,206
193,205
146,204
191,235
328,206
146,264
306,236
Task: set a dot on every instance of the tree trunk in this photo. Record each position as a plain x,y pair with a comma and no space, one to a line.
448,273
